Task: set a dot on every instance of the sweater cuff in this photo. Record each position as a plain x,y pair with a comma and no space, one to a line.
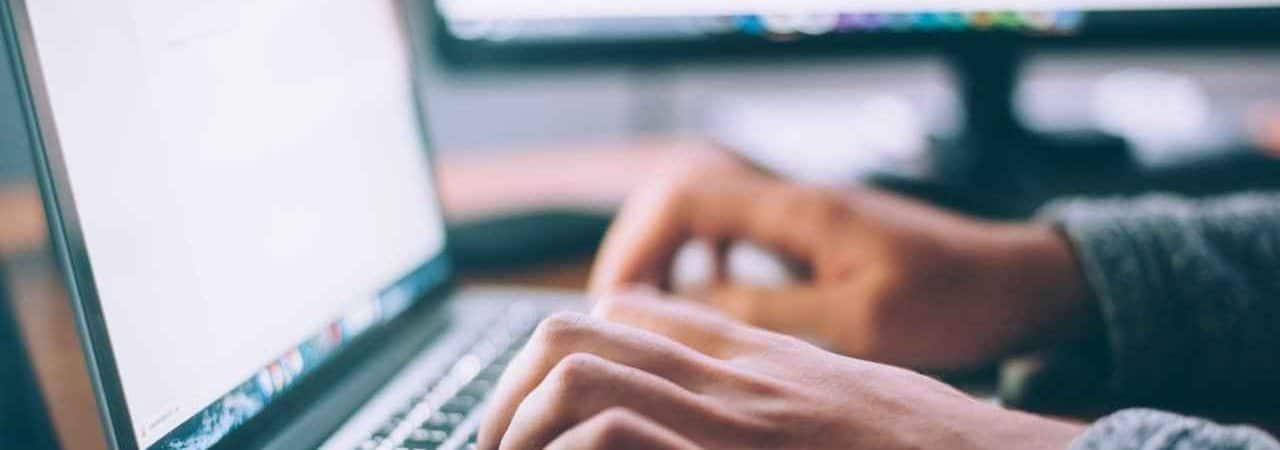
1145,429
1118,251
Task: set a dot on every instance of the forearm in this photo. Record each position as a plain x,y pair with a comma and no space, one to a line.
1187,290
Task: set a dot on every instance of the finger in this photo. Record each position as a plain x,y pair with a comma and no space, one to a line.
584,385
651,222
720,333
620,429
707,330
642,241
658,219
691,324
566,333
794,309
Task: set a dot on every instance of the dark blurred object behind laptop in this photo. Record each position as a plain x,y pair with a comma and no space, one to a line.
23,420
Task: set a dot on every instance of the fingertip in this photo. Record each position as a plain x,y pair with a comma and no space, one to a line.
613,302
606,280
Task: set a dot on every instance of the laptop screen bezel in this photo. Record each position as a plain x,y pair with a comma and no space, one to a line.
67,238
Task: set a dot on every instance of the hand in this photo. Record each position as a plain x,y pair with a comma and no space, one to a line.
888,279
648,373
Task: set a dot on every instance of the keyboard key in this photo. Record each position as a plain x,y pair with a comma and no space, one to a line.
425,439
498,346
463,403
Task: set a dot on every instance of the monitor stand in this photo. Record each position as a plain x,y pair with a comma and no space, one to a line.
996,166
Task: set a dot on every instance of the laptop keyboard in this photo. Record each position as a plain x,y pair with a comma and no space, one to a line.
446,414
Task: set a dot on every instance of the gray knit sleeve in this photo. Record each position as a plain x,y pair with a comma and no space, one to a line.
1189,292
1144,429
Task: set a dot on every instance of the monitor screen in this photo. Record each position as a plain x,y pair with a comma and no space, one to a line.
577,21
252,188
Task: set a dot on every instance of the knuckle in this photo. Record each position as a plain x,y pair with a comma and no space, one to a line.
577,373
666,194
613,424
750,306
812,207
882,304
612,429
757,386
744,310
615,416
779,343
820,205
671,187
774,424
765,424
561,328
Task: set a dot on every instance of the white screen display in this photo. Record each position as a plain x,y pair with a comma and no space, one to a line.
244,173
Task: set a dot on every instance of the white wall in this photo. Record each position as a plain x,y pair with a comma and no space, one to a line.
491,111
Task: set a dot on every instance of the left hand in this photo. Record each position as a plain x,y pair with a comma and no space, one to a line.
648,373
882,277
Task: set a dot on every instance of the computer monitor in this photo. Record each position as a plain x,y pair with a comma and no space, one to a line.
241,191
474,32
982,40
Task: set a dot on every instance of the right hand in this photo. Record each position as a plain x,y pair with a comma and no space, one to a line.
888,278
649,373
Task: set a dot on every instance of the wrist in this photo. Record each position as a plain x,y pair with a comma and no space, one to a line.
1024,431
986,427
1044,285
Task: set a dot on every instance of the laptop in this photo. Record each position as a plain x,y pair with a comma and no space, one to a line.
242,198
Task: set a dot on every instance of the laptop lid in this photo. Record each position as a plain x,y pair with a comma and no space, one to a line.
240,189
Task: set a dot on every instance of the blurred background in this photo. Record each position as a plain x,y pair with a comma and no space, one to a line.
542,121
987,107
832,114
495,112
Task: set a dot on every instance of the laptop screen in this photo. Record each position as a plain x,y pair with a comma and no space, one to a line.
252,188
